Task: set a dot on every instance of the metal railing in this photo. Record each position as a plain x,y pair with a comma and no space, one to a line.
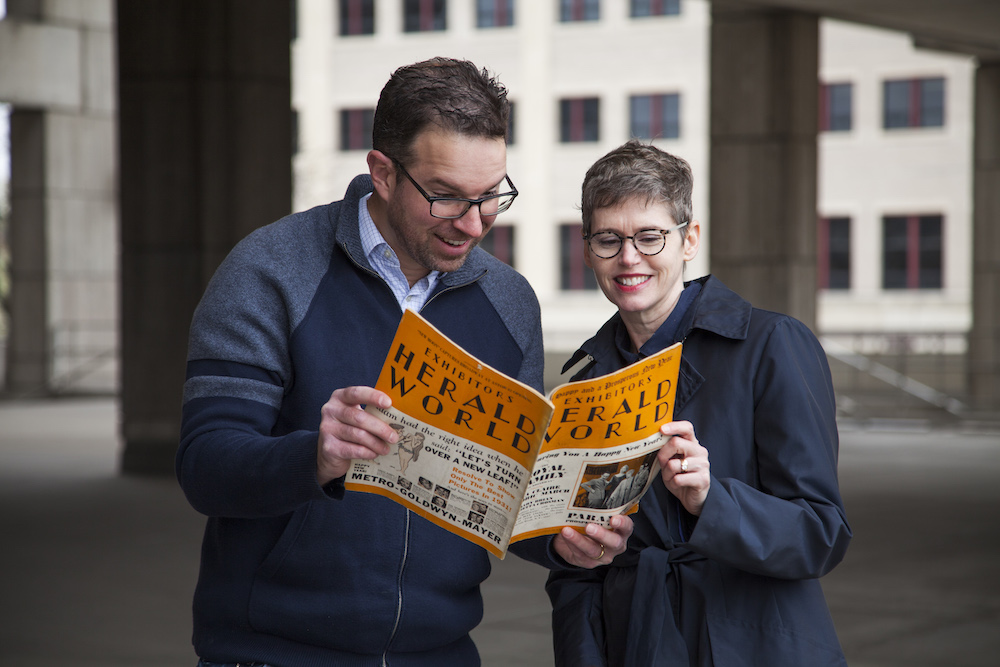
928,367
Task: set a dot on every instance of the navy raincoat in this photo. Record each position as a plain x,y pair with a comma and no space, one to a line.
737,585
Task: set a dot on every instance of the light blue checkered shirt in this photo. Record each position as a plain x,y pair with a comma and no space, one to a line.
383,259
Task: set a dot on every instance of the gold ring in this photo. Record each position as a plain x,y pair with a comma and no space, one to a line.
602,553
684,465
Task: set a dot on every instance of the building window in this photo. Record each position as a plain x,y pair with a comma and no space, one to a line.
641,8
357,17
835,107
578,119
511,126
579,10
913,103
494,13
834,253
499,242
424,15
356,129
655,116
574,273
912,249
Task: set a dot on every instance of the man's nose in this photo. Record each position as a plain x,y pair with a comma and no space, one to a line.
471,223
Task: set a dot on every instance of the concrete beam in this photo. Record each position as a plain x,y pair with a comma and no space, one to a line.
40,65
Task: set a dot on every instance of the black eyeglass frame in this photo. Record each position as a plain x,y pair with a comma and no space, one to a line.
469,202
621,240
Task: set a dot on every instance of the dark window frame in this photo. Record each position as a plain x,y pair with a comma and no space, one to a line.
495,13
501,243
579,120
356,17
356,129
577,11
425,16
833,256
833,116
647,8
663,120
574,274
913,252
914,103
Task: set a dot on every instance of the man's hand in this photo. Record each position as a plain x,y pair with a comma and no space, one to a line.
347,432
598,546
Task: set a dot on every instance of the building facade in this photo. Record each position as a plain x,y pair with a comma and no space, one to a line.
894,214
894,190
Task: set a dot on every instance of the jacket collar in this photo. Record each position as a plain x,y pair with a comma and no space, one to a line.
718,310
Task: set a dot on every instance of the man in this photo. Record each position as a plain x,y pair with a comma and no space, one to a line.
285,346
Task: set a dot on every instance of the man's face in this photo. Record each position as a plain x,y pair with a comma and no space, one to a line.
445,164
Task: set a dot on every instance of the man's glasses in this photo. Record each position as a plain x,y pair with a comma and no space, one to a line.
648,241
455,207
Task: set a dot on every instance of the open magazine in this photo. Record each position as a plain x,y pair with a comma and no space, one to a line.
494,461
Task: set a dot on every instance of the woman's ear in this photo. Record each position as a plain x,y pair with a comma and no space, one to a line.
587,259
692,240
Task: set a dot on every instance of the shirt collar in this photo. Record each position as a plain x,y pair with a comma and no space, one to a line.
670,332
385,261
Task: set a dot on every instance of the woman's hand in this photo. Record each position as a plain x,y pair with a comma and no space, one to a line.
596,546
684,466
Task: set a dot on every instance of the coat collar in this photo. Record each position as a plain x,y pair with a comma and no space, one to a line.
718,310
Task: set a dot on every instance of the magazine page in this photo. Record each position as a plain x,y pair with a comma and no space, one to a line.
469,436
599,453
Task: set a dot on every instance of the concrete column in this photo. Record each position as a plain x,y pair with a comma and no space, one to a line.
56,64
205,123
984,338
28,345
763,125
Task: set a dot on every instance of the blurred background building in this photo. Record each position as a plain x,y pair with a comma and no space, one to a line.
895,149
846,168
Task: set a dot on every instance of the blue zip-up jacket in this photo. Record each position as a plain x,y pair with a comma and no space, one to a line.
293,573
737,586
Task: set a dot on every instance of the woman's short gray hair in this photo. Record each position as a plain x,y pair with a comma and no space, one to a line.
637,171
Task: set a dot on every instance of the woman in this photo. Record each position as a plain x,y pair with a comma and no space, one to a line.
723,565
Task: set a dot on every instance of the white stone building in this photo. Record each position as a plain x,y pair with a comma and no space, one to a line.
557,58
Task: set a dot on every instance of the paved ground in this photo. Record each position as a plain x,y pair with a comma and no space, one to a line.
98,569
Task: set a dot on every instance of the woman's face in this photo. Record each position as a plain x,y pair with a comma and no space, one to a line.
646,286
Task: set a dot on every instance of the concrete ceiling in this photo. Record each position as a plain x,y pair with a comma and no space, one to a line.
965,26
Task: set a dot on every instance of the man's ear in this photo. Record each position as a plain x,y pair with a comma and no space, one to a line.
383,173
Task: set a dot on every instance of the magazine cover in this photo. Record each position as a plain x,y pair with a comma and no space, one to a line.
494,461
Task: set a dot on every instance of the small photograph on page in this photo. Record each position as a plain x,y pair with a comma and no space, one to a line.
609,485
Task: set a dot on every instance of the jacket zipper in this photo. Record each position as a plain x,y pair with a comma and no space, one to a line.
451,288
399,591
406,532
